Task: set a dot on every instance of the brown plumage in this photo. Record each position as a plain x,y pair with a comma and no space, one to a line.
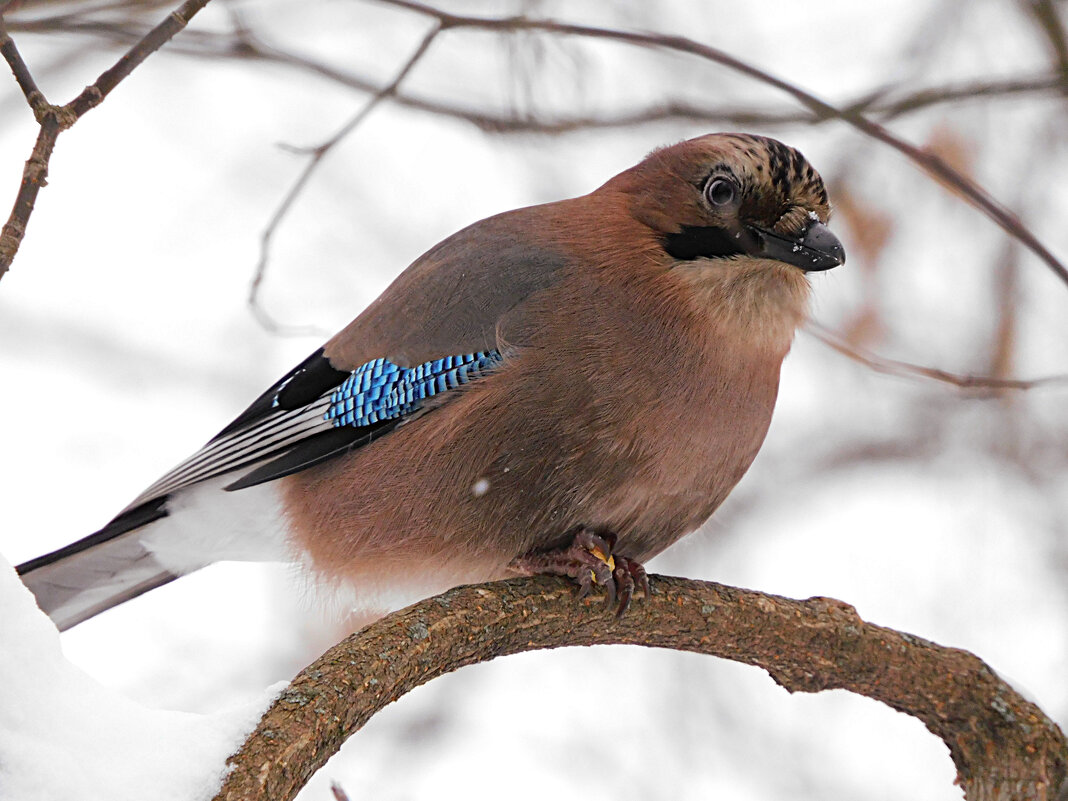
636,393
642,328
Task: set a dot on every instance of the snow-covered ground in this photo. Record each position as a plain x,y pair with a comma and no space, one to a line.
63,734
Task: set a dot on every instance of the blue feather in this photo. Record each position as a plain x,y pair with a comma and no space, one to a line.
381,390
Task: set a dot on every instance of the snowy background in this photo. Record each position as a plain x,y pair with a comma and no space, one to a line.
125,342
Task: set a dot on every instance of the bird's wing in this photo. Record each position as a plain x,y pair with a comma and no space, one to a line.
283,415
433,329
453,298
373,400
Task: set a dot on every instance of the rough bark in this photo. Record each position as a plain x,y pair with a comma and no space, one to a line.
1004,747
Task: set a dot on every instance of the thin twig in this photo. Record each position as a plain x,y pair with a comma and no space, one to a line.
820,109
316,155
22,74
670,110
1048,18
243,44
56,119
247,45
34,176
95,93
953,93
902,369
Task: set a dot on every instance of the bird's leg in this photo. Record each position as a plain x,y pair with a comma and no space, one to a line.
589,560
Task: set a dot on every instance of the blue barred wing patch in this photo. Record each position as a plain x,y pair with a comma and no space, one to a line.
381,390
284,435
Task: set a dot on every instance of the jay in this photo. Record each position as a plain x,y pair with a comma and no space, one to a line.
567,388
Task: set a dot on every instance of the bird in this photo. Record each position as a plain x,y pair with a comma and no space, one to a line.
567,388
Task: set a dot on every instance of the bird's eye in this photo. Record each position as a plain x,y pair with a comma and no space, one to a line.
721,192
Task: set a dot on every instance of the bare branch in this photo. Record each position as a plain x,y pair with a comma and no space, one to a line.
676,110
1048,18
925,98
244,45
806,646
34,176
316,155
95,93
819,109
901,369
25,80
56,119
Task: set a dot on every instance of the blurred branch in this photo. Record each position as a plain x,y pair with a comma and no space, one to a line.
53,120
243,44
925,98
667,111
901,369
819,109
1006,292
1048,19
1004,747
316,155
130,7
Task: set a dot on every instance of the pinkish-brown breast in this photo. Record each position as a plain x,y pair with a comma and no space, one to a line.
626,404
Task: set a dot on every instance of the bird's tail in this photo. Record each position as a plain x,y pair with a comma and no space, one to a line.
98,572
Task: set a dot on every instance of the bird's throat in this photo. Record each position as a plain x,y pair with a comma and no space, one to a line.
765,301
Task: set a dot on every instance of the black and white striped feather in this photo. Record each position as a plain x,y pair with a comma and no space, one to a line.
312,414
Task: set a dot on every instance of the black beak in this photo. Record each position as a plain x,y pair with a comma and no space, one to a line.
815,250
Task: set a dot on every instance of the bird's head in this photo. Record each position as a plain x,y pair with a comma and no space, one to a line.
734,195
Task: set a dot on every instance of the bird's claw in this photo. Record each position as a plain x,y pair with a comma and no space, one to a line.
628,576
589,561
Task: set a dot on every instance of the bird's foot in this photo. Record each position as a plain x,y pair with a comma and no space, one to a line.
629,575
589,560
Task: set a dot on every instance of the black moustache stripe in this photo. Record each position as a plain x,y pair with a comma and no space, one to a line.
695,242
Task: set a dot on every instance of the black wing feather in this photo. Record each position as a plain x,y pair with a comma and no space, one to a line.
313,450
299,387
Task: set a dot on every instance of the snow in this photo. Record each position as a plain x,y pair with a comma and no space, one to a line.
65,735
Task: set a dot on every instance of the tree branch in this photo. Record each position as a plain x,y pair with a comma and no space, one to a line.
243,44
1004,747
21,72
817,110
56,119
881,364
820,109
316,155
1048,19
